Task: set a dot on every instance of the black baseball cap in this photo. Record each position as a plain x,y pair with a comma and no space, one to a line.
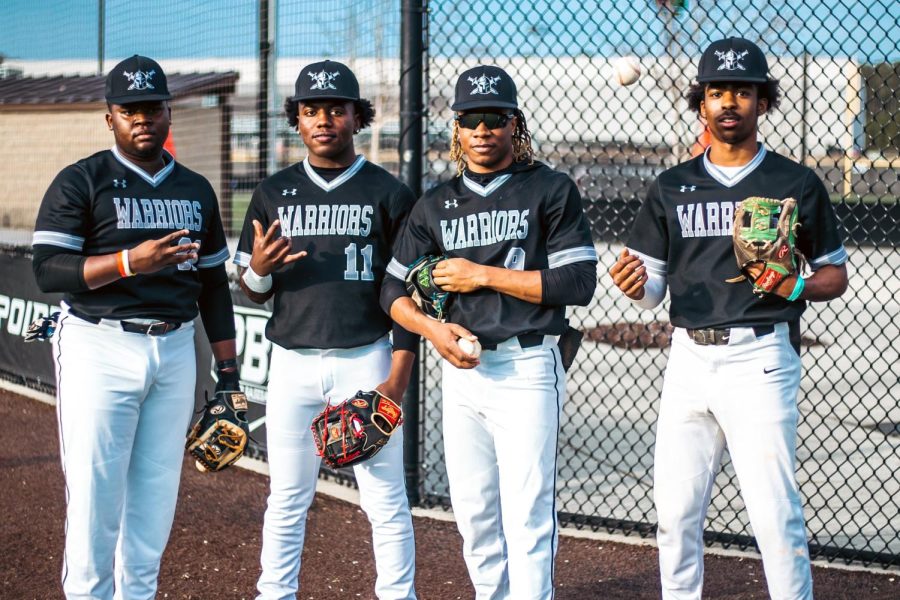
484,86
733,59
136,79
326,79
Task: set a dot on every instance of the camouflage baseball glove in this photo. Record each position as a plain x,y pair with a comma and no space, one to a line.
220,435
426,294
764,239
356,429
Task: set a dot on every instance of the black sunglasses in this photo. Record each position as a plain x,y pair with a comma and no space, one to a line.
491,120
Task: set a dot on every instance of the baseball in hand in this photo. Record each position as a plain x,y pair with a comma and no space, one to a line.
471,348
626,70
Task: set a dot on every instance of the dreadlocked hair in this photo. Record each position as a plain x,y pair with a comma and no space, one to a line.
521,143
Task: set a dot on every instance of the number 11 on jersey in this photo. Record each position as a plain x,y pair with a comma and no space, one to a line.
352,274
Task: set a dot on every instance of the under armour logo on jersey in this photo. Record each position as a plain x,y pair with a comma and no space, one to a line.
484,84
290,192
140,80
451,203
323,80
688,188
120,183
731,60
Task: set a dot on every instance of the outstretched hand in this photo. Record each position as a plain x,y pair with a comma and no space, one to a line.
270,253
152,255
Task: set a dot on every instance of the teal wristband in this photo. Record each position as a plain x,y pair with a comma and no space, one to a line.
798,289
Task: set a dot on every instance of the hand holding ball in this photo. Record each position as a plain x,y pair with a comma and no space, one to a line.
470,348
626,70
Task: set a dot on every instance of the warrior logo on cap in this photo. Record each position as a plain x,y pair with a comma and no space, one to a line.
731,60
484,85
140,80
323,80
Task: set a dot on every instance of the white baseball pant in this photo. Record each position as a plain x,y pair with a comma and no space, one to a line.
743,394
300,382
501,427
124,403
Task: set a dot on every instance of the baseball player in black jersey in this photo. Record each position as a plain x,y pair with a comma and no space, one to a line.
135,242
734,366
520,251
317,239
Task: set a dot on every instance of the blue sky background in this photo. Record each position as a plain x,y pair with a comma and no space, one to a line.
868,30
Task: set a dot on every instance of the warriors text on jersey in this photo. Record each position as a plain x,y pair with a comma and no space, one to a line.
528,217
104,203
329,299
683,231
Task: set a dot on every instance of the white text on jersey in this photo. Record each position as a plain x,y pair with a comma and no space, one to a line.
156,213
484,228
325,219
706,219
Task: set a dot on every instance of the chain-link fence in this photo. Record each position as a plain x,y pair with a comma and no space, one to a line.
839,66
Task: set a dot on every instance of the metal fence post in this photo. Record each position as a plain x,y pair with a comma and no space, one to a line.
412,70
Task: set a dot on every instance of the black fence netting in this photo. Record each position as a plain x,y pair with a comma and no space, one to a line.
838,63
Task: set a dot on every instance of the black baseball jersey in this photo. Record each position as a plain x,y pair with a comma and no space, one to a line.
684,232
329,299
104,203
529,218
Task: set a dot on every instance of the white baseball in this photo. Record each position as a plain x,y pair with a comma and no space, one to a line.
471,348
626,70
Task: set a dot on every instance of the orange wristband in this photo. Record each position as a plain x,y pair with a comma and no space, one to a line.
120,262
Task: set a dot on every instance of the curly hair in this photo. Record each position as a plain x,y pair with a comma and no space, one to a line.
361,107
521,142
768,90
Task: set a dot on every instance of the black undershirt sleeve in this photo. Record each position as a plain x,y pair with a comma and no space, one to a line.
404,340
391,289
216,309
58,270
569,285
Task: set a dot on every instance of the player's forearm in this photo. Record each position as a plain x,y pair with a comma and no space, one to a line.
405,313
827,283
224,350
569,285
524,285
256,297
102,270
67,272
398,379
214,302
652,292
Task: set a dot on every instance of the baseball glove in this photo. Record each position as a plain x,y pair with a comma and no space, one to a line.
426,294
42,328
220,435
356,429
764,239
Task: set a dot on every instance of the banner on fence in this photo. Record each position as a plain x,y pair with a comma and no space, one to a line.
31,364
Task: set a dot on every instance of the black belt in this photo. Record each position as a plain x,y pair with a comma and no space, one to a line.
526,340
719,337
155,328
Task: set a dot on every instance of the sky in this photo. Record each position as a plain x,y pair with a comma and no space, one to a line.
868,30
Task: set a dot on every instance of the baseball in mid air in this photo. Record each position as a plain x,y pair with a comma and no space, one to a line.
471,348
626,70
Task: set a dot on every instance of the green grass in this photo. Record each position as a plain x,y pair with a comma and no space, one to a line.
239,203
